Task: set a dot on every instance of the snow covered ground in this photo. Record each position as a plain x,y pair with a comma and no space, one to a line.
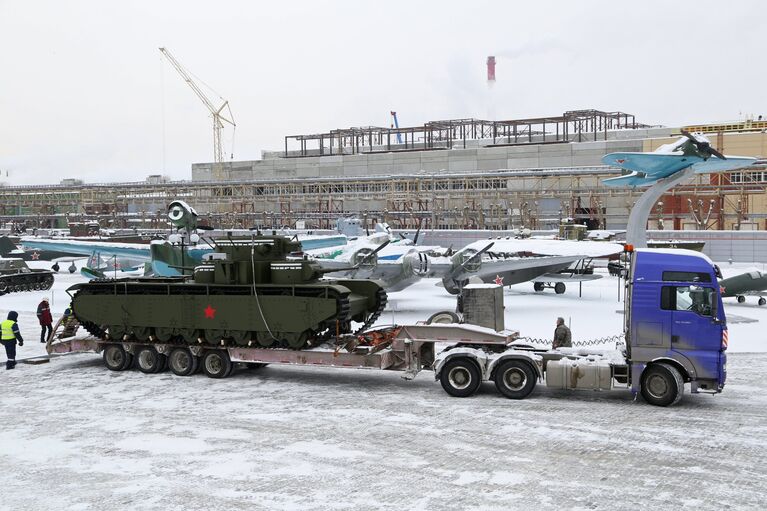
76,436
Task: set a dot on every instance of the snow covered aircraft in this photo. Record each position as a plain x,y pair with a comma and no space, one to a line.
691,150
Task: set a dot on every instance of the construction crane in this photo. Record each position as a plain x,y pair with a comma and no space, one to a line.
217,113
395,124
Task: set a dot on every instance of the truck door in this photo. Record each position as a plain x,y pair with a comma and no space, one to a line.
694,331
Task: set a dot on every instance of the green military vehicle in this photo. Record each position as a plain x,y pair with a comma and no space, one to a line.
259,291
16,276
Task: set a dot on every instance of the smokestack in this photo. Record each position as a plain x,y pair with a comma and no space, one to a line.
491,69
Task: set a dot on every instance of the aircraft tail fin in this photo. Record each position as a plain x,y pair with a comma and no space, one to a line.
6,246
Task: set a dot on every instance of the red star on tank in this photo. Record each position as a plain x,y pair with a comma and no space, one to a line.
210,312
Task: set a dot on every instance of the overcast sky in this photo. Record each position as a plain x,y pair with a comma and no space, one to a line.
85,93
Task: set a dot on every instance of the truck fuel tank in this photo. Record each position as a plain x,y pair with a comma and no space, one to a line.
588,373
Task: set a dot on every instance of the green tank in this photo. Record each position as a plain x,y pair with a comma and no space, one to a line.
16,276
249,292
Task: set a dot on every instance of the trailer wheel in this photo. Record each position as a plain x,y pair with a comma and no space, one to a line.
515,379
460,377
182,362
538,286
662,385
216,364
443,318
559,288
116,358
149,361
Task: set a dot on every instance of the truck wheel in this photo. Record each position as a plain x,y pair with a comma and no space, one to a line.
443,318
559,288
460,377
515,379
662,385
216,364
741,298
181,362
538,286
116,358
149,361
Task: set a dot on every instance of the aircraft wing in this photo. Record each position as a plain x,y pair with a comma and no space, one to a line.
645,169
78,247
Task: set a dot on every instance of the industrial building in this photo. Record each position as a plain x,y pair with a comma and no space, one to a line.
462,173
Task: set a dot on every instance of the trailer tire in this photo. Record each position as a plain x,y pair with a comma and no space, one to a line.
515,379
443,318
662,385
116,358
460,377
538,286
559,288
149,361
182,362
216,364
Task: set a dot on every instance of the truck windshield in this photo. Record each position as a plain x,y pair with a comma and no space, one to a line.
687,298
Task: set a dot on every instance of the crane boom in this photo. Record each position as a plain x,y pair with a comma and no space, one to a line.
218,117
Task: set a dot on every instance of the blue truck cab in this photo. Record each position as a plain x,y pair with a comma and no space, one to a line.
675,326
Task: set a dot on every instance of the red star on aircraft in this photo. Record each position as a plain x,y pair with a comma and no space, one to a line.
210,312
35,256
498,280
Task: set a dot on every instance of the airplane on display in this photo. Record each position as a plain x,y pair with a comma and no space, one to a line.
751,283
9,249
692,150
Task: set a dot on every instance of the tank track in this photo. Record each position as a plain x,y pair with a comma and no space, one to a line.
24,282
381,299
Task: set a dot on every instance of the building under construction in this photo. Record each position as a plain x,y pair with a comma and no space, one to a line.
462,173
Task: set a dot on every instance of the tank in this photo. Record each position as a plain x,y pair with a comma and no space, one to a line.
258,291
16,276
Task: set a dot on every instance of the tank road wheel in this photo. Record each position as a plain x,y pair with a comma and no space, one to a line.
538,286
189,335
116,358
515,379
662,385
216,364
460,377
181,362
296,340
214,336
3,288
149,361
741,298
163,334
116,332
141,333
48,282
240,337
559,288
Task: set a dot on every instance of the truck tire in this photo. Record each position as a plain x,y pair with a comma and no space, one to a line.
515,379
443,318
559,288
116,358
538,286
182,362
149,361
662,385
216,364
460,377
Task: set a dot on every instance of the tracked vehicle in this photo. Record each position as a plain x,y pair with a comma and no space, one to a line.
16,276
249,292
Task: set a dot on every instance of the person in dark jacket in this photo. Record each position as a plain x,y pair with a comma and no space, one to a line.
9,335
562,337
46,320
